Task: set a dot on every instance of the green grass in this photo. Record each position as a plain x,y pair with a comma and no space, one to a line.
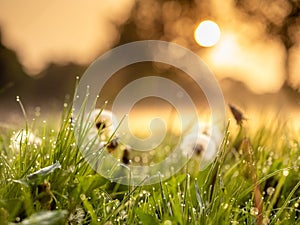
254,180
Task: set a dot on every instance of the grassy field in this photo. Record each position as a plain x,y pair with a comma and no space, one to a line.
255,179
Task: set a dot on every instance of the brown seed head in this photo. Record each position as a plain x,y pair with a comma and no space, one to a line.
237,114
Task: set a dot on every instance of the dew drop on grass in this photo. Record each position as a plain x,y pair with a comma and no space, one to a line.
145,160
137,159
285,172
82,196
254,211
168,222
264,170
225,206
270,190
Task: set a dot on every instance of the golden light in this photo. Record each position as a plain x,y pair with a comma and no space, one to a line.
207,33
237,58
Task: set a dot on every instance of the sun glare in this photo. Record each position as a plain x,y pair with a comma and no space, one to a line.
207,34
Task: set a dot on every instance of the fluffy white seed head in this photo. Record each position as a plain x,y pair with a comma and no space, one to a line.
103,120
202,145
21,136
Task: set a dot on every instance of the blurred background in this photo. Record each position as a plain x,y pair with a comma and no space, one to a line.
252,47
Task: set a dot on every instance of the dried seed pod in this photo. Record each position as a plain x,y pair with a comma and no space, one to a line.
100,124
45,196
112,145
237,114
103,120
125,157
199,148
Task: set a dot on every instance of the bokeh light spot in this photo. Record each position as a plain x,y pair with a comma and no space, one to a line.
207,33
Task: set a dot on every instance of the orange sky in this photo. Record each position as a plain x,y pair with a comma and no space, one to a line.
61,30
78,31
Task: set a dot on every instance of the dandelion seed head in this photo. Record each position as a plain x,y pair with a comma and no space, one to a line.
202,145
20,137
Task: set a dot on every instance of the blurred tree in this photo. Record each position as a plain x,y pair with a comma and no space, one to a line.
281,19
44,88
176,20
10,69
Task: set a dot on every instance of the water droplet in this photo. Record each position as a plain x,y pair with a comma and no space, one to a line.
270,190
285,172
225,206
82,196
254,211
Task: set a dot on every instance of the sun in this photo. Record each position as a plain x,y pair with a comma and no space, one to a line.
207,34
